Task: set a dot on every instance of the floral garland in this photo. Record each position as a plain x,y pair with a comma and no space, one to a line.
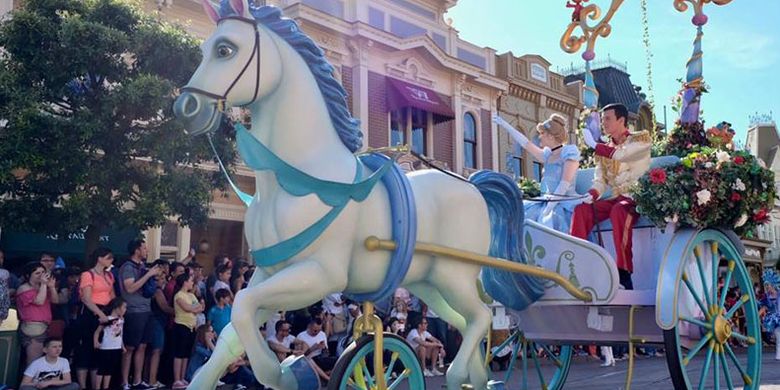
710,187
530,187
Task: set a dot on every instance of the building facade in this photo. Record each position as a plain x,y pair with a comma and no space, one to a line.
410,80
534,94
763,142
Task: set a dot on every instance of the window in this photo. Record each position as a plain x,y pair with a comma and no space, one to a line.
470,141
517,166
537,171
410,124
398,127
419,131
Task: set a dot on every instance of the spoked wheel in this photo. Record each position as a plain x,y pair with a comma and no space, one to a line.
355,367
543,366
701,351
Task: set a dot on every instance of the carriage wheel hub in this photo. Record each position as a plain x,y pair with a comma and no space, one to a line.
722,329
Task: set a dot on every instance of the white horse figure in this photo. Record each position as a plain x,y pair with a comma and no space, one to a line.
260,60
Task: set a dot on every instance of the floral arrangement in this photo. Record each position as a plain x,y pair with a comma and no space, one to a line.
530,187
710,187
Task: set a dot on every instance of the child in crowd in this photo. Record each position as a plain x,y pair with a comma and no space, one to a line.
219,314
49,371
108,342
186,306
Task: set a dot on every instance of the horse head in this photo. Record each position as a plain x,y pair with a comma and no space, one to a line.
233,72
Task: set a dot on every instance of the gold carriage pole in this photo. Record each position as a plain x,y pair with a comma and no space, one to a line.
373,243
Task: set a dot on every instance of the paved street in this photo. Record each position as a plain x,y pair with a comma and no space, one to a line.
649,373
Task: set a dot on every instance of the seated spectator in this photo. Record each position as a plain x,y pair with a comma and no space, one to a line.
219,314
204,347
237,374
282,342
316,344
49,371
335,317
396,326
427,347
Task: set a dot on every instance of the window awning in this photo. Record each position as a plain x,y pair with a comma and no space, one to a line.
402,95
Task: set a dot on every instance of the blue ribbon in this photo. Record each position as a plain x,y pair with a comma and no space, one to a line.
298,183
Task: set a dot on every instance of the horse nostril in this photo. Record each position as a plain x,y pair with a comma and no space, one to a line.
186,106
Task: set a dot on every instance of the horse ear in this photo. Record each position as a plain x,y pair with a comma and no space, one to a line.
241,7
211,10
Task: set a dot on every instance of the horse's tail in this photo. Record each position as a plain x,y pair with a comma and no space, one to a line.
507,216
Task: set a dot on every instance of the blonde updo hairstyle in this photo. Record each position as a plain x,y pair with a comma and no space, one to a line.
556,127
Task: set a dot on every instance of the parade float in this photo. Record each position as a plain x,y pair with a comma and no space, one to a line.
328,217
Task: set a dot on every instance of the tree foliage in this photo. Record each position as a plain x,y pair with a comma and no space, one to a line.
88,137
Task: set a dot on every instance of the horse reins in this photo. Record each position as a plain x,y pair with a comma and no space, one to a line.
222,99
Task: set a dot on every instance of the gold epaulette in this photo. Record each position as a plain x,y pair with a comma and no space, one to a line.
639,136
609,166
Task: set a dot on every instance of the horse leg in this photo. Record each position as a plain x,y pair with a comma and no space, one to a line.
228,349
298,285
457,374
464,299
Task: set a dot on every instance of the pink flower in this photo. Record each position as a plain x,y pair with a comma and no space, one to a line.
658,176
739,160
735,197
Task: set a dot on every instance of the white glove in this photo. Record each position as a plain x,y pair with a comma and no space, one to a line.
548,210
563,188
588,137
588,199
514,133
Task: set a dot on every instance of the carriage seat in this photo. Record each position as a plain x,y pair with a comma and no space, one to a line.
585,179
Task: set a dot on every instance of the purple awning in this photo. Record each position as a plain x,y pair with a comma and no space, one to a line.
402,94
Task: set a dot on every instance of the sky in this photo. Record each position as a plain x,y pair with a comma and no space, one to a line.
741,47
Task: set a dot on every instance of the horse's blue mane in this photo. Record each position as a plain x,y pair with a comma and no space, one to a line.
347,127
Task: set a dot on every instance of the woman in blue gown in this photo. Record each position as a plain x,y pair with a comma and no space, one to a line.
561,161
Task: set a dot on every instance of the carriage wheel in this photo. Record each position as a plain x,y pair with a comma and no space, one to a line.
534,359
700,349
355,368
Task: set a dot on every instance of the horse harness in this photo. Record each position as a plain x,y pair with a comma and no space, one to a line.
222,99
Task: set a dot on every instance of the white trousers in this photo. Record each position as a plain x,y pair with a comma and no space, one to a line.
607,353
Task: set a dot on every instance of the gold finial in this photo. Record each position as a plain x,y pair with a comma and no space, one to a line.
572,44
699,18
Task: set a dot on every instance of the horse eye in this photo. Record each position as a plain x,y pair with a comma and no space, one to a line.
224,51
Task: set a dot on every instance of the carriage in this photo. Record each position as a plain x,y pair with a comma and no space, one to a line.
677,303
328,217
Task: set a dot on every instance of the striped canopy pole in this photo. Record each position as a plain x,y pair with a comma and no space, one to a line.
572,43
694,79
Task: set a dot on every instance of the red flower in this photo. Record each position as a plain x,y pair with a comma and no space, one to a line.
658,176
735,197
739,160
761,216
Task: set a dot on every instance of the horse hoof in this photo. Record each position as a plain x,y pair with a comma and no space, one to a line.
496,385
298,374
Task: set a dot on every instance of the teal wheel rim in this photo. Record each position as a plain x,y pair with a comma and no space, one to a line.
701,350
534,356
398,354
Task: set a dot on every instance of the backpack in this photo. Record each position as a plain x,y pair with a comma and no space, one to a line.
150,287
